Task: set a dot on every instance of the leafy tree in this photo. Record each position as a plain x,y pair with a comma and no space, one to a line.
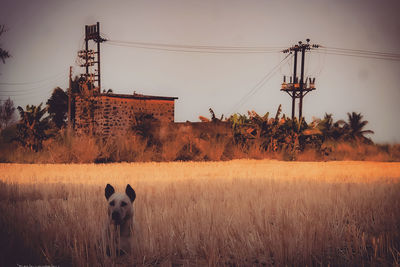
32,128
57,107
354,128
242,128
146,126
274,133
3,53
326,129
280,133
7,110
75,84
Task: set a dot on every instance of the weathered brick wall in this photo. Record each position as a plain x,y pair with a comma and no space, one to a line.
84,115
110,115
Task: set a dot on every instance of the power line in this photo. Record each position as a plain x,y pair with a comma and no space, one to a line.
30,91
196,48
213,49
259,85
29,99
17,94
35,82
360,56
34,89
194,51
40,89
361,53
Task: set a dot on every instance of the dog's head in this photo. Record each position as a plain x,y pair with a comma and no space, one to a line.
120,207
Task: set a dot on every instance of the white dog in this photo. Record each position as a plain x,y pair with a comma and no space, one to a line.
120,212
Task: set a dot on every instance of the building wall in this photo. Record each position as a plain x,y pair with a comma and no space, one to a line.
106,115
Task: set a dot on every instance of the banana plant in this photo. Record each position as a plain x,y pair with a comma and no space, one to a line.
33,128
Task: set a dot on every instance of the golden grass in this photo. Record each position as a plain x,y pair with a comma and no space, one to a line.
241,212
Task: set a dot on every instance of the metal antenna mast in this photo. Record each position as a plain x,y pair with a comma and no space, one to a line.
295,88
91,58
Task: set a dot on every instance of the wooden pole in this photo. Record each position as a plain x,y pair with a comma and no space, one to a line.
69,100
98,57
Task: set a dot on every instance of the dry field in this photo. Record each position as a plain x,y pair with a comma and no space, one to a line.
236,213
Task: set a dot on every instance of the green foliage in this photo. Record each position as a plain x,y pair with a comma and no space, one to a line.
291,136
145,127
354,128
57,107
33,129
7,111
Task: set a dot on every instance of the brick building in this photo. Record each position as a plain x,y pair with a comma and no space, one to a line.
115,114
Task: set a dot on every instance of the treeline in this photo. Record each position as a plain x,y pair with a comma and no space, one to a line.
41,136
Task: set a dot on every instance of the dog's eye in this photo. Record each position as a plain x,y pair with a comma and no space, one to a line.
123,204
112,203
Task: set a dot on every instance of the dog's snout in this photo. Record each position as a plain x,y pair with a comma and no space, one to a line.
115,216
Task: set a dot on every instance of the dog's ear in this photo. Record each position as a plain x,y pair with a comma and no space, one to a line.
130,193
109,191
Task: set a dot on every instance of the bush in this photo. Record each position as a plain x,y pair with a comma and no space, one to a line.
178,142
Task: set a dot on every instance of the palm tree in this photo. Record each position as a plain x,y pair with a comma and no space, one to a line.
327,129
32,128
354,128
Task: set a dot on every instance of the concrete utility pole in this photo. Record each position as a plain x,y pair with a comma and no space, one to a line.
294,88
294,81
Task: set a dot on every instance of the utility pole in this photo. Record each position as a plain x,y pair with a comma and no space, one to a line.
303,52
295,82
91,58
98,41
294,88
69,101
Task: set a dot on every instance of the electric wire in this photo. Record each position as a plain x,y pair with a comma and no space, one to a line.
206,49
28,96
35,82
196,48
360,53
32,91
251,49
260,84
194,51
359,56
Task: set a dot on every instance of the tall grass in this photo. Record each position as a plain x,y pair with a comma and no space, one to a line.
242,212
181,144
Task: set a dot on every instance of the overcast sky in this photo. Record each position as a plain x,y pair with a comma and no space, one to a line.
44,37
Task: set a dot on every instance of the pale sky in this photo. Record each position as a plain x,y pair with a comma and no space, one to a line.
44,37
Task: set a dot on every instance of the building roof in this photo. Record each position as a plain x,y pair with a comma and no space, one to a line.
140,96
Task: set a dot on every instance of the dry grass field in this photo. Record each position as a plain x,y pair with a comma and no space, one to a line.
235,213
